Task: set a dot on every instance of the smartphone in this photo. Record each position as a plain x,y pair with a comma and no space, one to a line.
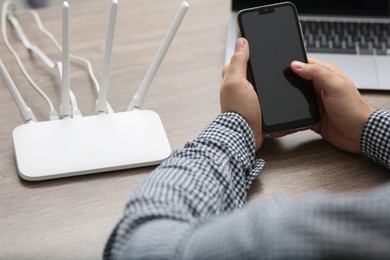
275,40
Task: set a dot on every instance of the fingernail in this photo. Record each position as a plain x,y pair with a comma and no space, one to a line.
298,65
240,43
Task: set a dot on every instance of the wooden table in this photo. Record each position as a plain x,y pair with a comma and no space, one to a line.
73,217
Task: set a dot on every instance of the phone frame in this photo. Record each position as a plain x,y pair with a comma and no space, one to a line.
291,125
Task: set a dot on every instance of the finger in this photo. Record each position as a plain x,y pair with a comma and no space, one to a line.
318,73
310,71
239,60
323,78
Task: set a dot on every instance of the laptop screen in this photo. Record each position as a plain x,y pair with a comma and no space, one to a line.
327,7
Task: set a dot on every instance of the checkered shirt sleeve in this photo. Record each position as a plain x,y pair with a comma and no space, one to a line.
210,176
375,141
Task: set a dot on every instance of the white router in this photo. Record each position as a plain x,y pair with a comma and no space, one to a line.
103,142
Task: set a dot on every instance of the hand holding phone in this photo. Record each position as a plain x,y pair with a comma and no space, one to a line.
275,40
344,112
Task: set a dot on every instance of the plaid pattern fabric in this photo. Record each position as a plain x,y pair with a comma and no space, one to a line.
375,142
211,175
179,212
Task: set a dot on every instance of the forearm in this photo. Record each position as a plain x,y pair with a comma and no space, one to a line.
318,226
209,176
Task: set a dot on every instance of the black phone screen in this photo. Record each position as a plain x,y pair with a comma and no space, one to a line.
274,36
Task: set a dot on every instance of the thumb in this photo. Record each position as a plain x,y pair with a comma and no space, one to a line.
321,76
309,71
239,60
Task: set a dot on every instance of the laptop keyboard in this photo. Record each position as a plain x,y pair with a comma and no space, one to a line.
347,37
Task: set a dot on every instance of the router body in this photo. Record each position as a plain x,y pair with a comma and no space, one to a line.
78,146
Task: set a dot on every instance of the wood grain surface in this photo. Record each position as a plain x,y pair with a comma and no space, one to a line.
72,218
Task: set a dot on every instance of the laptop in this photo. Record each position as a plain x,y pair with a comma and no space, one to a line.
353,34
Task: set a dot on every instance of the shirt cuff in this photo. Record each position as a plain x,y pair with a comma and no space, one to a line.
375,140
232,130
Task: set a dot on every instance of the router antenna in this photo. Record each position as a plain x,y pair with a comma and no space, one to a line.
76,59
65,99
138,99
25,111
101,103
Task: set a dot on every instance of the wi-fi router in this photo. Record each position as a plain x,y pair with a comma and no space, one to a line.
92,144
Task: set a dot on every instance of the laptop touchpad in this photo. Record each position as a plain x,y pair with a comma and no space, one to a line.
362,70
383,66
